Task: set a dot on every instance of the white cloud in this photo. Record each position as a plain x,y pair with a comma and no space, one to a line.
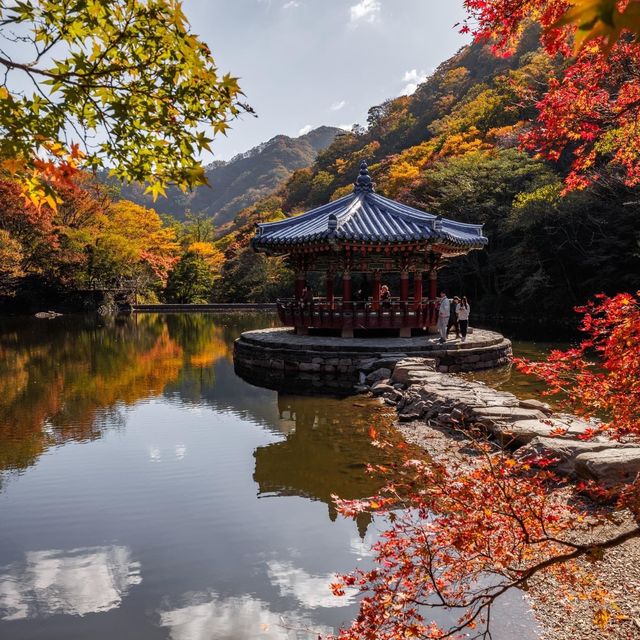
412,79
292,4
76,582
305,129
206,616
346,127
336,106
310,591
365,11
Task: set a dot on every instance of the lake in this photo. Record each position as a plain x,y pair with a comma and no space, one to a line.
147,492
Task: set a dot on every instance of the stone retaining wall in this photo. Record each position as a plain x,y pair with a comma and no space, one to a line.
281,351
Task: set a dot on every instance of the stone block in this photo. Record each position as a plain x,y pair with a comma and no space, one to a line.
611,467
531,403
309,366
524,430
564,450
507,414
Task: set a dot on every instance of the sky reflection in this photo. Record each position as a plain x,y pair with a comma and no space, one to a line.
206,616
76,582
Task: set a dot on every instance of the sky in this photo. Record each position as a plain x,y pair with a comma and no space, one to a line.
307,63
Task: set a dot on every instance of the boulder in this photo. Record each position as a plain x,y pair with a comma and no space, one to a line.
380,387
611,467
389,360
415,408
379,374
564,450
367,365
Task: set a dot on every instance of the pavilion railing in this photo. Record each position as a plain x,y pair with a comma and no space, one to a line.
337,314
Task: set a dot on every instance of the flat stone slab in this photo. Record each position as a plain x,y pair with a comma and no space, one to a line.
508,414
524,431
564,451
286,338
611,467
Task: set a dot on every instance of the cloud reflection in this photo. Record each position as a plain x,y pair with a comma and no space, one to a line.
76,582
206,616
310,591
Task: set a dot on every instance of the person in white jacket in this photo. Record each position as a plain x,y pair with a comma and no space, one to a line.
463,311
444,310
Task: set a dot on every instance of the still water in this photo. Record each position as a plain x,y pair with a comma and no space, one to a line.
147,492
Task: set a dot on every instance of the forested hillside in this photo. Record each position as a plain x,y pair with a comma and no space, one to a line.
241,181
454,148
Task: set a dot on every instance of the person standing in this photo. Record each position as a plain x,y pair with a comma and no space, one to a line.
453,317
444,310
463,311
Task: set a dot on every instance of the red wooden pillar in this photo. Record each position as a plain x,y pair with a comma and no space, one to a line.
329,287
346,287
417,288
404,286
300,282
433,284
433,294
376,290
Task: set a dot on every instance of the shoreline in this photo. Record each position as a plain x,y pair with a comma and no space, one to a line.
432,410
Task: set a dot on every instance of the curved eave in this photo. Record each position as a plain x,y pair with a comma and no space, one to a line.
366,218
283,247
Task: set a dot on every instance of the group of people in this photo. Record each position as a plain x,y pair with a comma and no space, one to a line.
453,314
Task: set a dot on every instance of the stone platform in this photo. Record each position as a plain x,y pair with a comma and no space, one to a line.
280,353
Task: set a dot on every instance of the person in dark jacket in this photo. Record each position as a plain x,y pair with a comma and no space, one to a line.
453,318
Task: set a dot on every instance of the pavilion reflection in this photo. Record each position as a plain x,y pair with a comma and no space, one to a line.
76,582
326,450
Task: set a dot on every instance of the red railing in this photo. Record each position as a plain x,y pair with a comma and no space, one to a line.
321,314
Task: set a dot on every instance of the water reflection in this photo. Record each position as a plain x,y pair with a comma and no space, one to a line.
309,590
72,378
75,582
326,451
180,463
206,616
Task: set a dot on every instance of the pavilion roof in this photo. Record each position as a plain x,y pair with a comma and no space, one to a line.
365,216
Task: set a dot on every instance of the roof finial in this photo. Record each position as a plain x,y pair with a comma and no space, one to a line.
363,183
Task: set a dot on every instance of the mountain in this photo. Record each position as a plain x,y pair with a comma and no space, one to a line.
243,180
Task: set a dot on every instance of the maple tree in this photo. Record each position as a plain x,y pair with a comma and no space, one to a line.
88,242
461,534
124,85
590,110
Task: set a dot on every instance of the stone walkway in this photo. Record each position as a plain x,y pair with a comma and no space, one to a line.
528,426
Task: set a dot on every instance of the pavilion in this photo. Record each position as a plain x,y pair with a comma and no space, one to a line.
366,233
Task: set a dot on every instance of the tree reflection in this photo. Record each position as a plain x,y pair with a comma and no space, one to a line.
68,380
73,377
